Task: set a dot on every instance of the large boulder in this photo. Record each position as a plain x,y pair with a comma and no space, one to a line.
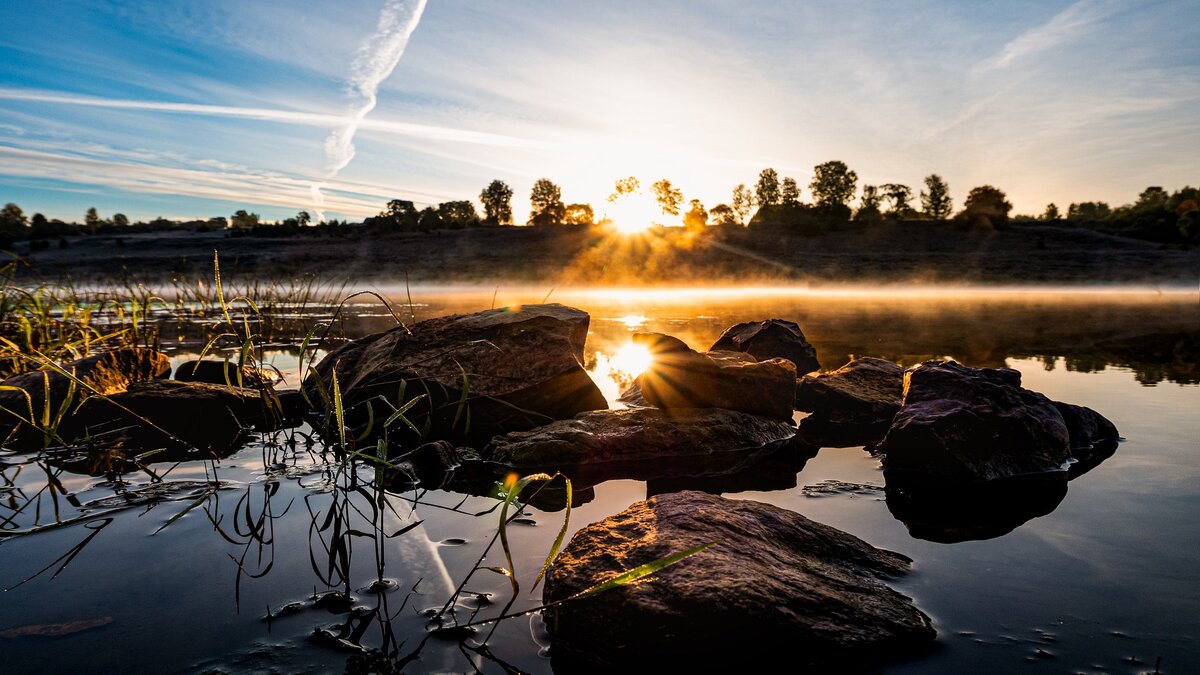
172,413
959,423
679,377
481,374
633,396
770,339
776,588
106,373
642,443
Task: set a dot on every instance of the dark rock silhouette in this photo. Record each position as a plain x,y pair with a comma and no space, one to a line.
961,424
949,514
773,578
853,405
221,372
481,374
679,377
770,339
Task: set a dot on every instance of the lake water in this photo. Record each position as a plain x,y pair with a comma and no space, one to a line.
1105,582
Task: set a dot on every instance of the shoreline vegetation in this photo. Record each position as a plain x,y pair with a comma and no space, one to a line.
890,254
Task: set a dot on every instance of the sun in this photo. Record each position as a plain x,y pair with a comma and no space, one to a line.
633,213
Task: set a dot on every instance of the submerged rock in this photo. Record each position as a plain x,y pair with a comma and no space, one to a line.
770,339
775,584
679,377
482,374
221,372
960,423
642,443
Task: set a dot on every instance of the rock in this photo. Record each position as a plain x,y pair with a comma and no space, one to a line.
865,391
632,395
641,443
106,373
221,372
1086,427
517,368
776,588
769,473
430,465
960,423
770,339
681,378
165,412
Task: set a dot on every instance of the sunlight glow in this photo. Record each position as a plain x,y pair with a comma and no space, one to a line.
633,213
631,360
634,320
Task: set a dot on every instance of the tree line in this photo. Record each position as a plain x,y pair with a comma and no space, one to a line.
773,207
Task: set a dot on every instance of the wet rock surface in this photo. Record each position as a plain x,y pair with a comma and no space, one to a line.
509,368
959,423
107,373
770,339
679,377
199,415
642,443
865,391
776,581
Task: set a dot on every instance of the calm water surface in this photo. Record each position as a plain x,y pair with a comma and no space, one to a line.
1106,582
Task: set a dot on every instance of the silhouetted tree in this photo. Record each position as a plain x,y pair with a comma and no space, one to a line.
458,214
1051,214
669,198
1153,197
789,192
92,220
833,183
766,190
13,224
721,214
243,220
986,208
899,196
743,203
303,218
120,220
935,198
497,203
1088,212
696,219
546,203
624,187
868,206
579,214
429,220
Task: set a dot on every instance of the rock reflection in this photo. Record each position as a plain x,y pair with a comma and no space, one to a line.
951,514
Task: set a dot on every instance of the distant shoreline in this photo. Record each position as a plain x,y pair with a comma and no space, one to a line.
895,255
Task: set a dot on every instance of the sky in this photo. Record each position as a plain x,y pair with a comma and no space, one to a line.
199,108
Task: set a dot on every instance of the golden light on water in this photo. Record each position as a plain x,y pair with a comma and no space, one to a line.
616,371
634,320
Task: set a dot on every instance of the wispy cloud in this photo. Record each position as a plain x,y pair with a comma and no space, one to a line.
423,131
1074,22
144,172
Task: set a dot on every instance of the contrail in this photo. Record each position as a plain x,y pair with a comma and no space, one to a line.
377,58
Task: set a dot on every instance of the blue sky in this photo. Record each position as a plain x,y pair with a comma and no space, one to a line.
186,109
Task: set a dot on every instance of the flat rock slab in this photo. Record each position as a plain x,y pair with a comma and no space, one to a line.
212,371
169,412
770,339
642,443
679,377
959,423
777,588
865,391
514,368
